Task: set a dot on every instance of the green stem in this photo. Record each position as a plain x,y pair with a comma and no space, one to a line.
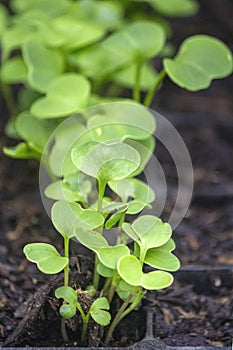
149,97
118,316
66,283
136,90
102,186
96,276
63,330
85,319
66,254
114,284
107,284
133,305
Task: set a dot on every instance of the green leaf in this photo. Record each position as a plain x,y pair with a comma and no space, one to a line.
150,231
22,151
46,257
200,59
66,94
104,271
134,188
126,77
70,296
67,311
60,190
106,162
77,34
51,7
14,71
33,130
64,139
43,64
175,8
130,270
136,207
109,256
145,148
91,239
121,121
98,312
106,14
68,217
162,258
67,293
114,218
136,42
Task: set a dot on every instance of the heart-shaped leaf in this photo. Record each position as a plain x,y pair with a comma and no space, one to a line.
14,71
68,217
59,190
200,59
136,42
148,231
175,8
66,94
162,258
130,270
109,256
105,162
46,257
98,311
43,64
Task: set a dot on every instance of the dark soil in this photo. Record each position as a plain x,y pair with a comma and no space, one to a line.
184,313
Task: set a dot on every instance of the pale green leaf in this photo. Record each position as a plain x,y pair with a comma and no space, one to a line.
175,8
106,162
68,217
98,311
46,257
43,64
66,94
109,256
200,59
14,71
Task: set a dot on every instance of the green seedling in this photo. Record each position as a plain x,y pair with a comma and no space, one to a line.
97,310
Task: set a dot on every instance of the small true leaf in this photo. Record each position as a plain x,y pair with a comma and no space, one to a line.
106,162
201,59
67,311
66,94
46,257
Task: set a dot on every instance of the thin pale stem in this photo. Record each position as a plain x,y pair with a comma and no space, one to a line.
118,316
66,254
101,191
63,330
96,276
85,319
136,90
149,97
